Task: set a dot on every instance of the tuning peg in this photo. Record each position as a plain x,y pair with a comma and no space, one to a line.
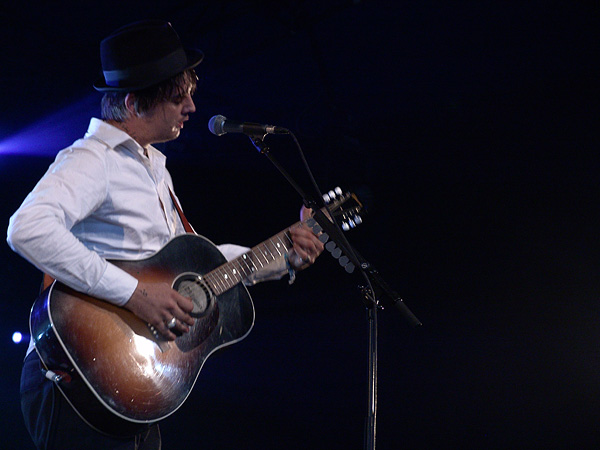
333,249
345,226
337,254
313,225
346,264
332,195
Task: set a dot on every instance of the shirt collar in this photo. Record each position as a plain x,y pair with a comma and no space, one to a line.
114,137
109,134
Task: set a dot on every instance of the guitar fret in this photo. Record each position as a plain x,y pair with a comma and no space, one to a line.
234,276
221,279
272,250
217,284
234,273
243,269
257,259
264,253
275,246
228,278
281,242
209,277
286,235
247,257
271,253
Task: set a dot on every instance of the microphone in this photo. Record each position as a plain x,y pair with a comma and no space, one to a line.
220,125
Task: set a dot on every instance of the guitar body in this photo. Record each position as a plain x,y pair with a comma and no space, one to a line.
118,374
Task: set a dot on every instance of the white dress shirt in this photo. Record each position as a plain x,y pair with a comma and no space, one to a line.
102,198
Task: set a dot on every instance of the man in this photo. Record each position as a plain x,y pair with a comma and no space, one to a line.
109,196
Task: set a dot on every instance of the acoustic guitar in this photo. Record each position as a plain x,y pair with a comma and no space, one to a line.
117,372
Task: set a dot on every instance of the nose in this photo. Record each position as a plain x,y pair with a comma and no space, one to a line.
189,106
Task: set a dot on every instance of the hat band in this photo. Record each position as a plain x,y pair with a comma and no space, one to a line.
149,73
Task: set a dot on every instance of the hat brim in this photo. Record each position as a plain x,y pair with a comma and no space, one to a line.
194,57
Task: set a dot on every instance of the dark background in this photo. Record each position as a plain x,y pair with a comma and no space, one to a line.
470,133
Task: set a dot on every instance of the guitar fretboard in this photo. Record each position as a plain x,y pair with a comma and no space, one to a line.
241,268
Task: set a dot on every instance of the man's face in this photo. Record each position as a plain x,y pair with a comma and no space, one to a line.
165,121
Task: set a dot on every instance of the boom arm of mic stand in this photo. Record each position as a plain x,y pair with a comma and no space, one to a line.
258,142
388,296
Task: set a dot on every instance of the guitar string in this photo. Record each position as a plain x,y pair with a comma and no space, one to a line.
223,277
229,279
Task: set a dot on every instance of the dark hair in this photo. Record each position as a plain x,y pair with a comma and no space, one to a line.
174,89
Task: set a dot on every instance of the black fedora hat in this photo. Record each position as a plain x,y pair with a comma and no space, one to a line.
143,54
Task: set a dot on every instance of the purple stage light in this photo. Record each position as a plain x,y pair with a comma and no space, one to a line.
51,134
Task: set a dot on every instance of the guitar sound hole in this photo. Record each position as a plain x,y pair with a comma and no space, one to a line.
191,286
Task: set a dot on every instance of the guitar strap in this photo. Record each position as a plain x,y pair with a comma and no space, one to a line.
47,280
184,221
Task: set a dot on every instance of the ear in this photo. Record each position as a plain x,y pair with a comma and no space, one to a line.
130,103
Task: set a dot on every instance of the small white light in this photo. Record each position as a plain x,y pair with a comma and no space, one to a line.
17,337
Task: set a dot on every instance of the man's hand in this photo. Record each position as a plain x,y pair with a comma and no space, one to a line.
157,304
307,246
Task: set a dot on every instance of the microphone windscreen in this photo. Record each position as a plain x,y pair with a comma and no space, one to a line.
215,125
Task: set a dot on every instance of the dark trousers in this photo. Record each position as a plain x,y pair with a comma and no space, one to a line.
54,425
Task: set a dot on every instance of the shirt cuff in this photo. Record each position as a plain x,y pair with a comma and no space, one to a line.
116,286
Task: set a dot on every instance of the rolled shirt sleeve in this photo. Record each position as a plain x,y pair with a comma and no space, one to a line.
40,230
273,271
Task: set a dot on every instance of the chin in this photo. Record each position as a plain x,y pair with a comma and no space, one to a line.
166,138
174,135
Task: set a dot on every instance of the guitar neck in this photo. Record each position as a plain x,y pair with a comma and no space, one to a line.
241,268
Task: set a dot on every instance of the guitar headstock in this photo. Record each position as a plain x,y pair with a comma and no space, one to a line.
345,207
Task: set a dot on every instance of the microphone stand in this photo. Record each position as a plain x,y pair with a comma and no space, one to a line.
377,293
